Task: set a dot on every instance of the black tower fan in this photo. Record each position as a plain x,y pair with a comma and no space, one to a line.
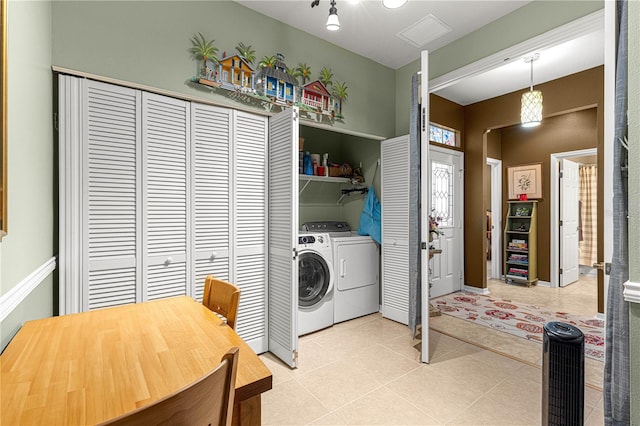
562,375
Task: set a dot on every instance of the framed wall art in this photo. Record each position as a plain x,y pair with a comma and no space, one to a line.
525,180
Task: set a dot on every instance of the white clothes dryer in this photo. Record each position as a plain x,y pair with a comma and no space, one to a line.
357,290
315,283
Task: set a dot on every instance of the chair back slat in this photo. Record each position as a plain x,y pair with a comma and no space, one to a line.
223,298
208,401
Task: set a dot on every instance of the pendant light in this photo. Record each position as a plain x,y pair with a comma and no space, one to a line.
531,109
333,24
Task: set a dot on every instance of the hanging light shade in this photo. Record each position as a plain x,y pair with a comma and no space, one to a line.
393,4
333,24
531,105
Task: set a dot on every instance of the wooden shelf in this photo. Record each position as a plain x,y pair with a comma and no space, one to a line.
526,265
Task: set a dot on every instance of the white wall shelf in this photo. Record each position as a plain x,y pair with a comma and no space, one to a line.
311,178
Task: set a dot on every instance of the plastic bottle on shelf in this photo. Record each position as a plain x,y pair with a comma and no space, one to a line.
325,163
308,167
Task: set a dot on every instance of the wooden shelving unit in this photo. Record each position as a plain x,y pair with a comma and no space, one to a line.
520,242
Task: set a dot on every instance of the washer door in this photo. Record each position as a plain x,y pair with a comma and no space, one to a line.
314,279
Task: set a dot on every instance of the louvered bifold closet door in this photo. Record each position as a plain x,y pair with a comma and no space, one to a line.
211,140
394,154
282,235
111,222
250,187
165,124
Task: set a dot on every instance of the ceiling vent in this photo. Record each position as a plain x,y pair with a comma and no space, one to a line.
424,31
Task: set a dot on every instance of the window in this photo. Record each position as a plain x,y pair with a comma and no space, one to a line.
442,193
443,135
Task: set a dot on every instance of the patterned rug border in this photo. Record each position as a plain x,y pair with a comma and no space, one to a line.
521,320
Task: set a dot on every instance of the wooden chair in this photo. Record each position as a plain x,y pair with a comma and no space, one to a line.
222,297
208,401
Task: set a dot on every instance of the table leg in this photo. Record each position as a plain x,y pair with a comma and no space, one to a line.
247,412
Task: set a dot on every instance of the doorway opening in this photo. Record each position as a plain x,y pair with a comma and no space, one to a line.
494,219
574,255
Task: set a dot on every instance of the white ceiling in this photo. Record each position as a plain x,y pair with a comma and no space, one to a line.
557,61
371,30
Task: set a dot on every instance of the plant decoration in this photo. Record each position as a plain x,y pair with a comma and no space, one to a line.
246,52
325,76
434,222
304,71
293,72
340,92
203,49
267,62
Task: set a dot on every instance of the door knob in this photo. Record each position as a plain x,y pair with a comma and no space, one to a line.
168,260
213,255
603,266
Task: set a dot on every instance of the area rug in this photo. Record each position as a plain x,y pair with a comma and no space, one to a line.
519,319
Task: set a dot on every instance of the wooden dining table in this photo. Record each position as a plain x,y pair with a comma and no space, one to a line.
92,366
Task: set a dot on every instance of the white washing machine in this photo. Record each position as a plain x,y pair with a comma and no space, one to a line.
315,283
356,261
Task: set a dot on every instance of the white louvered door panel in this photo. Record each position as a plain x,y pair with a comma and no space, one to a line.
165,124
282,236
111,227
394,154
250,186
211,132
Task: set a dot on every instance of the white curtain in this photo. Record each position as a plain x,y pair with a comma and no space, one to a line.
588,215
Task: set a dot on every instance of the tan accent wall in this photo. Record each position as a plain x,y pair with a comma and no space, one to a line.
567,132
446,113
584,90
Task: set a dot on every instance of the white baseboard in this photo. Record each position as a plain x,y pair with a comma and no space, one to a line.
484,291
541,283
11,299
600,316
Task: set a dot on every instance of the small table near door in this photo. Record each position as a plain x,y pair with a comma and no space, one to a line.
89,367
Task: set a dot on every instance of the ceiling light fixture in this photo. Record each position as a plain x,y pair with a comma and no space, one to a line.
393,4
333,24
531,109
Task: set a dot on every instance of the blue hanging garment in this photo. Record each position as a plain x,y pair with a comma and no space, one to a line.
371,217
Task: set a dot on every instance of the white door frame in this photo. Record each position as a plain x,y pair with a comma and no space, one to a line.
496,216
425,199
554,210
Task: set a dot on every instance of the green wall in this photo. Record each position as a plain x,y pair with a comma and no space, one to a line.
520,25
319,201
31,205
147,42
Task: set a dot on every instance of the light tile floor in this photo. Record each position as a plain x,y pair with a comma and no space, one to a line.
367,372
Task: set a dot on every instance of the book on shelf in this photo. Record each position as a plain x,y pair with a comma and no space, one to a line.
518,272
523,258
517,244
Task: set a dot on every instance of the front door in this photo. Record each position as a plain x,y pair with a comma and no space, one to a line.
446,209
